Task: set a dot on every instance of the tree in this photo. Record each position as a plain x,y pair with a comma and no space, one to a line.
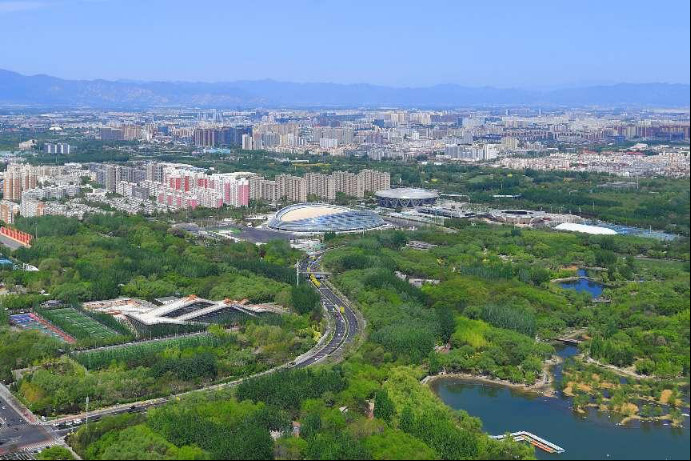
55,452
306,300
383,406
290,448
447,323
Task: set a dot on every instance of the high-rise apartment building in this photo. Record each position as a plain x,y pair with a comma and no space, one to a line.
292,188
347,183
31,207
321,185
247,142
154,172
18,178
131,132
8,211
231,136
111,134
263,189
57,148
372,181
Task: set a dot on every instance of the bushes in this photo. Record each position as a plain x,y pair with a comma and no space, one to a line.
617,351
469,332
21,302
19,349
188,368
286,390
424,416
306,300
381,278
509,317
55,452
407,339
133,355
480,348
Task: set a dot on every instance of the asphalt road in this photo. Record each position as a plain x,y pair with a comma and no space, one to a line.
346,325
16,433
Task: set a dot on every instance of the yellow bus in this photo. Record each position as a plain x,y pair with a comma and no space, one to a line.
315,281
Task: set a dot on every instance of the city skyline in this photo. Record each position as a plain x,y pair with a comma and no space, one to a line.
539,46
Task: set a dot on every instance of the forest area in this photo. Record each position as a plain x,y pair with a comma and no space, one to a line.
494,297
107,256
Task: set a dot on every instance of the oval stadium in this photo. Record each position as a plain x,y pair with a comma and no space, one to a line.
406,197
322,217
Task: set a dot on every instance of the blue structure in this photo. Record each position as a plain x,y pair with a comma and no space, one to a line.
4,263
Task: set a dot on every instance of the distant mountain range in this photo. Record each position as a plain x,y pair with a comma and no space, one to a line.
47,91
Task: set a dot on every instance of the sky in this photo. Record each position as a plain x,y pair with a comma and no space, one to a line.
520,44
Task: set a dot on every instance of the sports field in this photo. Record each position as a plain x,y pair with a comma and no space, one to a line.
79,325
34,322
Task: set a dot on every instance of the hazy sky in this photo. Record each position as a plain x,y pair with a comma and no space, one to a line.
513,43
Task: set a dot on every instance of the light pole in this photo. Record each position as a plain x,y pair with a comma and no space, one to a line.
87,413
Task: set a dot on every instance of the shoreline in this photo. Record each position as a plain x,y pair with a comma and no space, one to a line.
542,386
539,388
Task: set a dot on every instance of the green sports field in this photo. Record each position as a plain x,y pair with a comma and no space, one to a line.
78,325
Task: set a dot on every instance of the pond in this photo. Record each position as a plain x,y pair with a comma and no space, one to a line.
591,436
583,284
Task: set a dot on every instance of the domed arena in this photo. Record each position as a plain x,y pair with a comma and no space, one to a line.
321,217
406,197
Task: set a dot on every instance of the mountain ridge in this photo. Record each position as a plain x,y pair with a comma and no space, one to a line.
45,90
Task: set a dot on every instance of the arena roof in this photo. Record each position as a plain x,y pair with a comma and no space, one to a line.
407,193
308,212
321,217
596,230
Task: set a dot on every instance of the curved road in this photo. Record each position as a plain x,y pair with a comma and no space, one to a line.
17,432
346,324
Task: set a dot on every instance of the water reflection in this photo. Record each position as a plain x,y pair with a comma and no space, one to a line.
593,435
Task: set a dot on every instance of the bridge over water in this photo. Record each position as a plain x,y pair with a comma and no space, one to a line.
534,440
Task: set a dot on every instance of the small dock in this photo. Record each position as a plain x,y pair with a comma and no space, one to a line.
534,440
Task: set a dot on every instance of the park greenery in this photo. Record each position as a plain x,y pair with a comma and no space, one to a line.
495,282
493,310
54,453
154,369
108,256
493,300
408,422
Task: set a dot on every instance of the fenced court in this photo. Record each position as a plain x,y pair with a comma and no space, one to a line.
34,322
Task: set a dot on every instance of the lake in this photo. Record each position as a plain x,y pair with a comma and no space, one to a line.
583,284
591,436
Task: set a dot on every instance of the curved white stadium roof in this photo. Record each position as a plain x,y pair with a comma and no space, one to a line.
322,217
595,230
306,212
